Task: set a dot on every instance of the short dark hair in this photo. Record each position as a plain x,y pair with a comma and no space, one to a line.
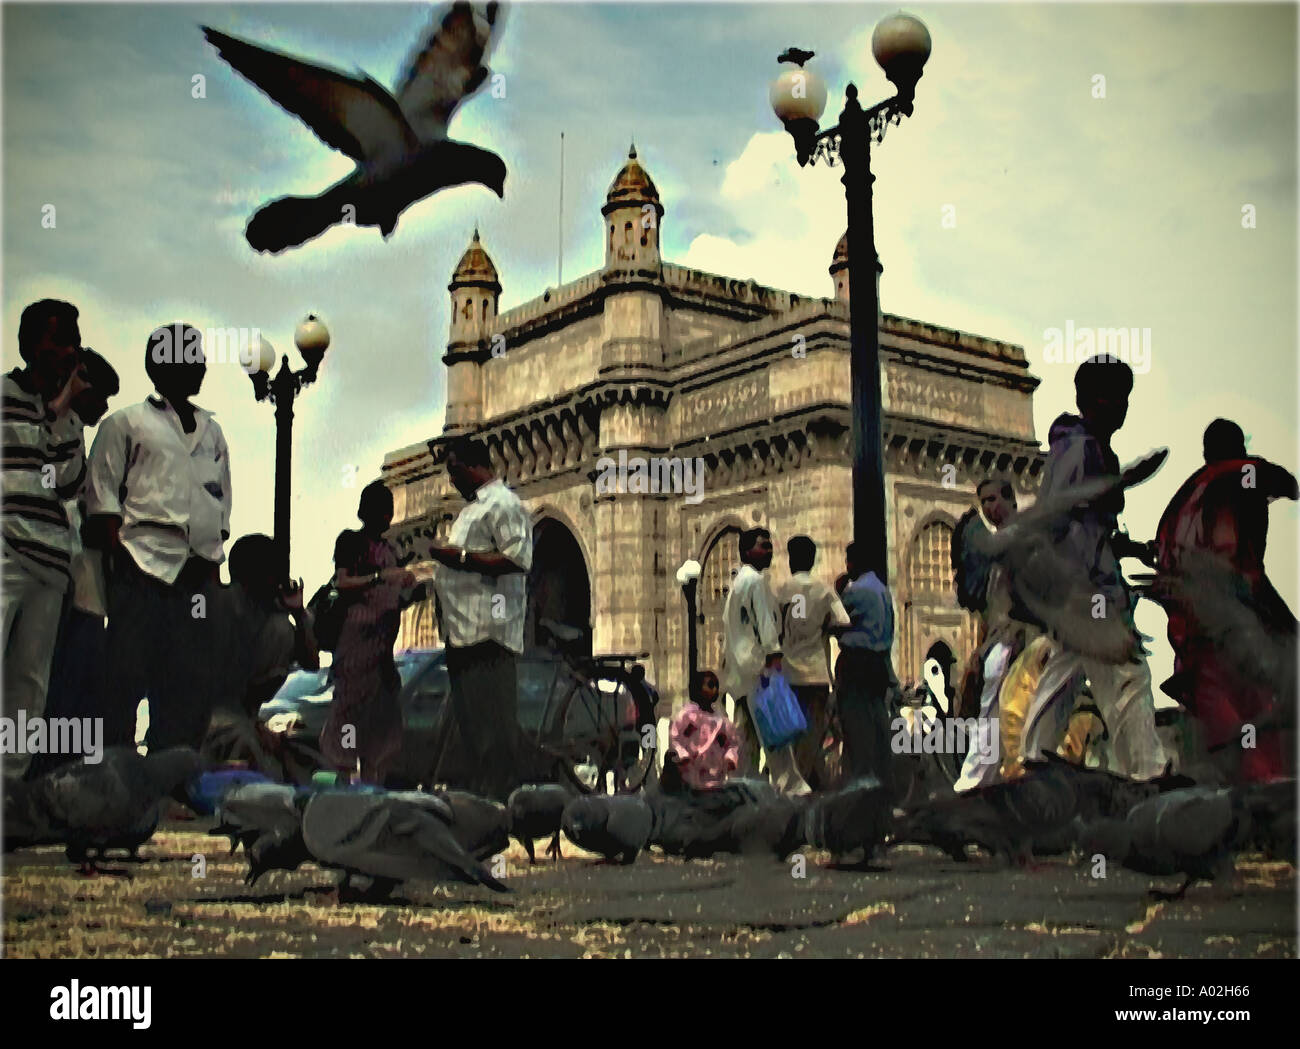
749,537
1099,374
102,375
253,557
35,321
470,451
1006,487
175,337
349,549
1223,439
802,551
376,493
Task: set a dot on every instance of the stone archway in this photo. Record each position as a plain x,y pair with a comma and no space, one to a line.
559,583
719,568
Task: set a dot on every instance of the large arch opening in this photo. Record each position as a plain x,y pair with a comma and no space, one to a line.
719,569
559,585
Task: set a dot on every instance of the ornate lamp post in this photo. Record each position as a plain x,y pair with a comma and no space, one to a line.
312,338
688,578
901,45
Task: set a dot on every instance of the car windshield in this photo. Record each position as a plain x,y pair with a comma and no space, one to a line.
302,683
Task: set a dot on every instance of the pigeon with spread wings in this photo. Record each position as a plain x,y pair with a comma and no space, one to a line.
399,142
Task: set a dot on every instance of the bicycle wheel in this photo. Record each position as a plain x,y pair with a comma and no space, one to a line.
606,732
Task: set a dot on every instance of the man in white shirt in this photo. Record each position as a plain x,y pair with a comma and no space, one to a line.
752,623
158,500
810,614
481,589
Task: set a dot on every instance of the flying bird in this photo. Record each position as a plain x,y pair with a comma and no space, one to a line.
796,55
93,808
534,811
399,141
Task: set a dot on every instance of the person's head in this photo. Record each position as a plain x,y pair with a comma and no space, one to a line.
802,552
49,341
174,360
997,499
254,566
858,562
704,689
91,403
376,507
1101,387
756,547
1223,440
468,465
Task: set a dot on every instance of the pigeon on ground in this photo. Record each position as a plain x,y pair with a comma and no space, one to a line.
1004,819
743,817
535,811
1272,818
266,818
857,816
392,837
93,808
399,141
616,826
479,824
1193,831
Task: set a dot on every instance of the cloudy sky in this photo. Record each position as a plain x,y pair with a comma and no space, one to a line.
1093,162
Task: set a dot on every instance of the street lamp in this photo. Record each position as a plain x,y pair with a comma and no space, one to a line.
688,578
312,339
901,45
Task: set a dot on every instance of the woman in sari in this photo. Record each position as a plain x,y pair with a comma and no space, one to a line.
363,735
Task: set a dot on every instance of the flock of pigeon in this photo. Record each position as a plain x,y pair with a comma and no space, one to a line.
1166,827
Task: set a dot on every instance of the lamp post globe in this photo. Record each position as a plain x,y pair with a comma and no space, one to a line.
901,45
312,339
798,98
258,357
311,335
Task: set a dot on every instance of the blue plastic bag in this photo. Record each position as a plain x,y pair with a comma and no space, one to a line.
777,713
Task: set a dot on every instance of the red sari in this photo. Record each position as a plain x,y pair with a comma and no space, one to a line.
1217,512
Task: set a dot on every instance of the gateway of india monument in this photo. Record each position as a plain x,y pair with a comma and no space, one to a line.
655,360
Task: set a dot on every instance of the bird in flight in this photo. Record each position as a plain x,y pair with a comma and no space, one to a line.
399,141
796,55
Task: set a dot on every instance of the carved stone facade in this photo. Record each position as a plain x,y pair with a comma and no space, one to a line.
657,360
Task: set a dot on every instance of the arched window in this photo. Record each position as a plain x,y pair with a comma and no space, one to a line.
929,570
485,309
627,233
927,591
611,236
721,564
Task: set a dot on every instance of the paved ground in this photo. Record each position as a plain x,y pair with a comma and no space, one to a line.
920,904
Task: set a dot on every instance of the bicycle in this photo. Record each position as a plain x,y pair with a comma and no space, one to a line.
603,732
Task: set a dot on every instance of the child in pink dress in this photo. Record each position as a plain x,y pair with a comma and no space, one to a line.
703,747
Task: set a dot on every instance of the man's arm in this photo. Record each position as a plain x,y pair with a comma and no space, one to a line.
511,532
305,650
105,476
227,492
767,620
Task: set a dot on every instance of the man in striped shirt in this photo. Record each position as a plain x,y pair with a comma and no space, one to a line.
44,463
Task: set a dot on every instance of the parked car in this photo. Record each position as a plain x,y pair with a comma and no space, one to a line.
597,728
